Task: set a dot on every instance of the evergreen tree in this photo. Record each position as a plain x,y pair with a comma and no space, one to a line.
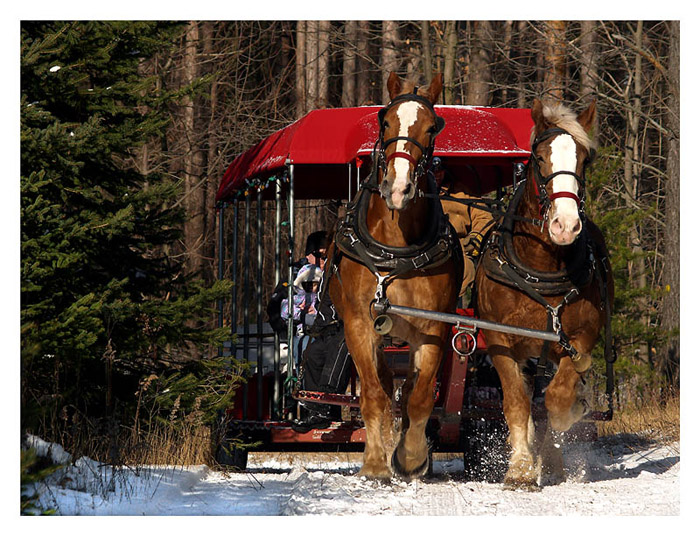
100,295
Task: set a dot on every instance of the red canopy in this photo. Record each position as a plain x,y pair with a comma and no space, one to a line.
478,145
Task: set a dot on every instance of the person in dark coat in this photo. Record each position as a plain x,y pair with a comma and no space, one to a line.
326,367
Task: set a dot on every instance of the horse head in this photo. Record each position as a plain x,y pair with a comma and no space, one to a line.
561,150
408,126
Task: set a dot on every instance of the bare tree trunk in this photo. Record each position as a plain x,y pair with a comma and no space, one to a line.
213,172
300,89
555,59
671,307
427,51
479,79
390,53
507,44
349,96
589,64
193,160
363,87
522,101
311,64
632,176
324,28
450,60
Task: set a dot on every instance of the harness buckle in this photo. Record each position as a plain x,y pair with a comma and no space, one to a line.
380,293
420,260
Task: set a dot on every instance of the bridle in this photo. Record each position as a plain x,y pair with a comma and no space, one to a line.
421,164
545,201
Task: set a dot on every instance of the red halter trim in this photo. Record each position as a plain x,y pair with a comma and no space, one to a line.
399,154
570,195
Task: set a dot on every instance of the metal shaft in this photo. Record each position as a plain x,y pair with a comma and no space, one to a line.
482,324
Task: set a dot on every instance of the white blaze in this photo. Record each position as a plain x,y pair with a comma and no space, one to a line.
408,115
564,159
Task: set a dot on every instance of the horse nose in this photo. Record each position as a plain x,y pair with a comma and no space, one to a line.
409,191
564,230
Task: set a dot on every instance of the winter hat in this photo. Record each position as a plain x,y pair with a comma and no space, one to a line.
308,272
316,241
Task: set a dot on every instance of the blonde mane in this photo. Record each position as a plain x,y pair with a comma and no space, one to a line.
563,117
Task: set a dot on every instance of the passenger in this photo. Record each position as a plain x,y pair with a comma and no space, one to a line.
304,304
325,367
470,222
315,254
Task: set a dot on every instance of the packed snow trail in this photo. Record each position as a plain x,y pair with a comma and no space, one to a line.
604,478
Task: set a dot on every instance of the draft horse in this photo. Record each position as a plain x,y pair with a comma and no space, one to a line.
394,244
546,265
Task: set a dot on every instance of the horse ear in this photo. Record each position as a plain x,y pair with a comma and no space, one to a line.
393,84
587,117
435,88
538,116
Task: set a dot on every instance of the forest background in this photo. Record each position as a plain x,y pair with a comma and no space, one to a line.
128,127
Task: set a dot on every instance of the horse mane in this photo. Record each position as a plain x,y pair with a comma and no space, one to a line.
564,117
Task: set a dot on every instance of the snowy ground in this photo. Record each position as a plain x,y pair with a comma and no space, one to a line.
606,478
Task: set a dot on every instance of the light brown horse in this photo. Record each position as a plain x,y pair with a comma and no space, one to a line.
391,230
563,260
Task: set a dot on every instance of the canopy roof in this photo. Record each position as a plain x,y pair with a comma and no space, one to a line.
323,142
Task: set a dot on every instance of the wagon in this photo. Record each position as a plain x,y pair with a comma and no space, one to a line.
326,155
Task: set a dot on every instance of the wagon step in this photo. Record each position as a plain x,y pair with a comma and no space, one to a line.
352,401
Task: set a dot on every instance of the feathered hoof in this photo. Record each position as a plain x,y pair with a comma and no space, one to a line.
402,472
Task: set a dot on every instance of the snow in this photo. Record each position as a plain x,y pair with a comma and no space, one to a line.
605,478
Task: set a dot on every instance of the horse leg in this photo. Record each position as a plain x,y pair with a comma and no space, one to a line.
564,408
522,473
375,401
410,459
564,403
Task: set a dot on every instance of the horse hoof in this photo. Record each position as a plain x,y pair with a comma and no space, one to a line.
401,471
380,474
512,484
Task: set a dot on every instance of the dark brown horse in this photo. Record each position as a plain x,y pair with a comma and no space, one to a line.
394,245
546,266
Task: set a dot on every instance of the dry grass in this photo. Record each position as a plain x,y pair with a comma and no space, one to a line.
654,417
165,444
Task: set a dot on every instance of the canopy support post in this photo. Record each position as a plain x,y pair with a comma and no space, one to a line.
278,258
290,273
246,301
259,292
234,281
